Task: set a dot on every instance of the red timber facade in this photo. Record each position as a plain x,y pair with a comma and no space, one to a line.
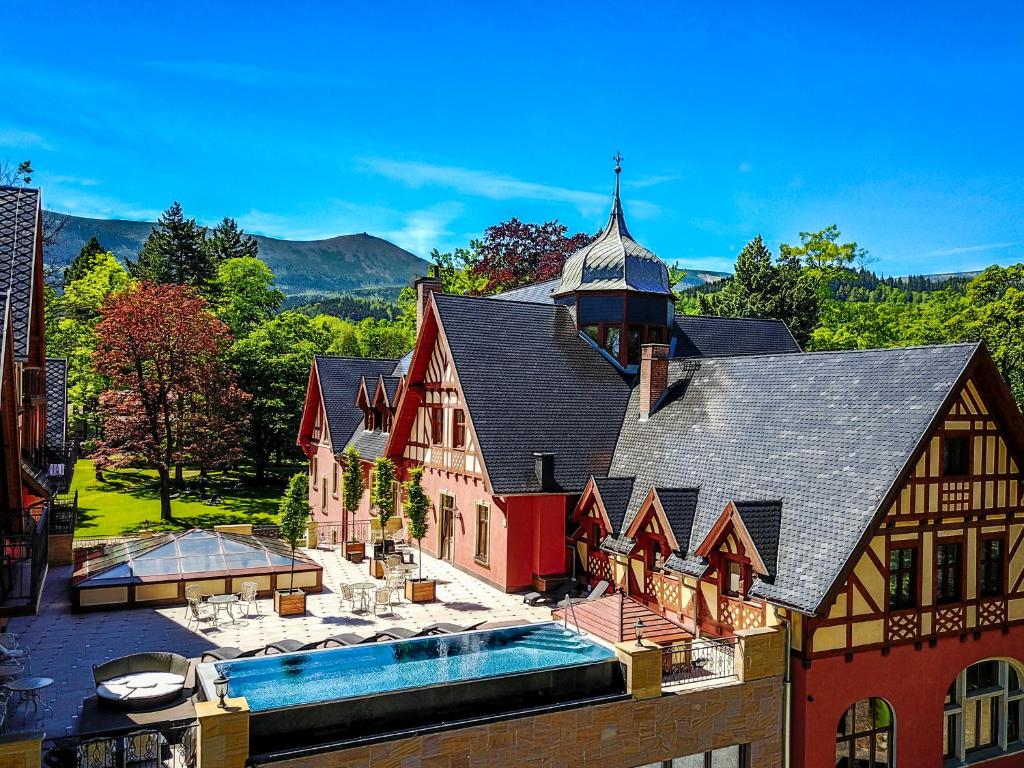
27,485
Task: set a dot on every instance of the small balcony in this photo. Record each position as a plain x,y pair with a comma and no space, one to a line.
23,558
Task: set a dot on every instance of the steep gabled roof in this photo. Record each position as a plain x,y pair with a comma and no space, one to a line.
531,384
538,293
20,212
680,505
615,493
340,379
706,336
828,434
56,401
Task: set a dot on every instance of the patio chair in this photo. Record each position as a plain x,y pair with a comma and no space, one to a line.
382,599
347,593
247,597
199,612
284,646
10,651
395,581
391,633
552,596
229,652
399,538
596,593
446,628
392,560
345,638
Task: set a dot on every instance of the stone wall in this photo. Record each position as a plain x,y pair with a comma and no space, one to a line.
616,735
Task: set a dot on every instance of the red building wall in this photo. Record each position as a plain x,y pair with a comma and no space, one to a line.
914,682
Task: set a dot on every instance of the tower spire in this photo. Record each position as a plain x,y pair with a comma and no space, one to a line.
616,216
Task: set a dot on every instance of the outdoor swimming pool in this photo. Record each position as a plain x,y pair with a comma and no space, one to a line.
289,680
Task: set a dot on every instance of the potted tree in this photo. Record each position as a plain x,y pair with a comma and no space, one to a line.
417,505
294,515
351,495
382,497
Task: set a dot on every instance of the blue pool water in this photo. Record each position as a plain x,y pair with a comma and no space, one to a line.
341,673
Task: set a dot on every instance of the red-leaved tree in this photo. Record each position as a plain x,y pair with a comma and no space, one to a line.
171,401
514,253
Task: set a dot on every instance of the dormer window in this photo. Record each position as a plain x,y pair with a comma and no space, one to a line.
733,579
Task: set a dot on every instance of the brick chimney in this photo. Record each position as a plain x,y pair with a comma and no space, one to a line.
653,376
424,287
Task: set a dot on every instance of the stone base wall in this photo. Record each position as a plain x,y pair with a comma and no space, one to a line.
618,735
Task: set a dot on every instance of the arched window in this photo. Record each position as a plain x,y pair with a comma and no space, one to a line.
864,736
983,713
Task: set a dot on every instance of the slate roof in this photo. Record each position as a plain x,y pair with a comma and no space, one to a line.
825,433
339,384
680,505
615,494
704,336
402,366
539,293
56,401
614,261
369,444
19,215
533,385
762,520
391,387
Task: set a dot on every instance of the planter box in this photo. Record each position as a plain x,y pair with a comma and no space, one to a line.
424,591
289,602
376,568
355,557
352,548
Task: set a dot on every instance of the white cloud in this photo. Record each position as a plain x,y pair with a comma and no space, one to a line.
496,186
972,249
642,182
19,139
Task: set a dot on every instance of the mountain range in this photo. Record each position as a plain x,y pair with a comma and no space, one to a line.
303,268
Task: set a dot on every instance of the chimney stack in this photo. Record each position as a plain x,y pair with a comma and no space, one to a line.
544,469
431,283
653,376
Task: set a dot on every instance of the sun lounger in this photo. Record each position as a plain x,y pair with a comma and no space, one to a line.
551,596
228,653
597,592
391,633
285,646
446,628
346,638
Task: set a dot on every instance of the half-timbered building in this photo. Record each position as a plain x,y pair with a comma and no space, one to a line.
867,504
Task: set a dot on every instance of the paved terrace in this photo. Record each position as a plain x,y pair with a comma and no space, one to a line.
64,645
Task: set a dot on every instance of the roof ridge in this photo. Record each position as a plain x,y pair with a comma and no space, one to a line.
837,352
730,317
366,359
491,298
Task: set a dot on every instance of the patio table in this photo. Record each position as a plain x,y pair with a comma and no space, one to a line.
364,588
225,603
28,690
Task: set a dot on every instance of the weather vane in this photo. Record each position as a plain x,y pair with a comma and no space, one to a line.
618,161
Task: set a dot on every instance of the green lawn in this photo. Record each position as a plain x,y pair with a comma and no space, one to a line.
128,500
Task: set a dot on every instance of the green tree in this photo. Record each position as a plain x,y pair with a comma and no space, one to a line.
382,495
84,261
417,505
382,339
175,252
295,512
228,241
272,364
71,320
342,333
766,288
994,313
245,293
352,486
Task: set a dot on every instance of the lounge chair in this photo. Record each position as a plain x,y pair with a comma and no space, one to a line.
227,653
391,633
595,593
446,628
345,638
551,596
284,646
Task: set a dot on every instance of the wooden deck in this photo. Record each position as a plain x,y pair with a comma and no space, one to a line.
614,617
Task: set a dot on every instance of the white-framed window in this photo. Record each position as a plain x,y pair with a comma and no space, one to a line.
983,713
482,549
334,478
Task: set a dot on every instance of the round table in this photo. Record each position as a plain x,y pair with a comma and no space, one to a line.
28,689
224,602
363,588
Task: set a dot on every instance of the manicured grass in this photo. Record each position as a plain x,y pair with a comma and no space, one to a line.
128,500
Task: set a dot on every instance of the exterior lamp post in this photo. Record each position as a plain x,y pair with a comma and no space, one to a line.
638,630
220,687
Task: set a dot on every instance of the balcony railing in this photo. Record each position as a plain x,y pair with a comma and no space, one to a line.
699,660
23,551
336,533
63,513
168,745
53,466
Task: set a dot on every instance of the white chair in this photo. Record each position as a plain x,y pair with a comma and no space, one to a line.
247,597
10,651
199,612
399,538
395,581
382,599
347,593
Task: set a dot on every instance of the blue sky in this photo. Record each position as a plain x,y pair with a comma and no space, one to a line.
424,123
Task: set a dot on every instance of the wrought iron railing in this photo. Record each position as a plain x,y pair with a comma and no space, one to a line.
23,550
336,533
63,513
170,745
699,660
53,465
